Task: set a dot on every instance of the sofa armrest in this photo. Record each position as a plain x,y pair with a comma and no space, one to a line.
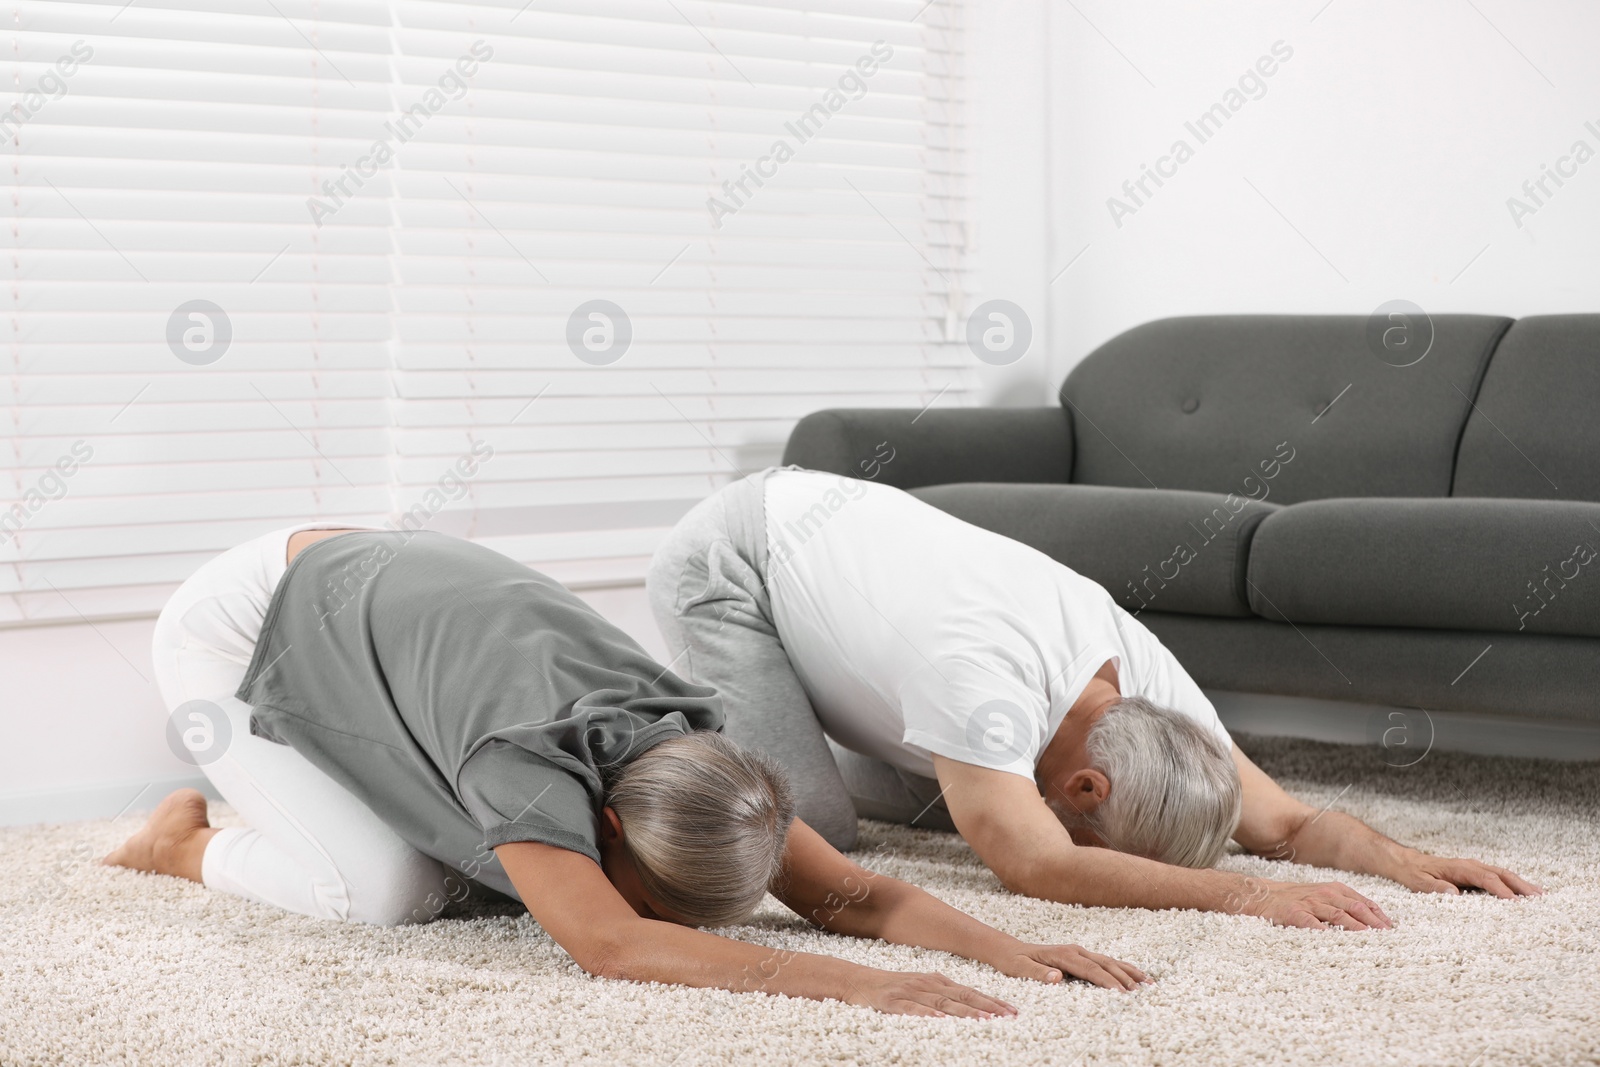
906,449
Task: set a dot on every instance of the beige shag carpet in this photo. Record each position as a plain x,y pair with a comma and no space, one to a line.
107,966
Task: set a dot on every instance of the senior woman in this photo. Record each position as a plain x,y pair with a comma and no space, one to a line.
394,711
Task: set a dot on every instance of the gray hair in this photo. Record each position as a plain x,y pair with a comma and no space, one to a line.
706,823
1175,793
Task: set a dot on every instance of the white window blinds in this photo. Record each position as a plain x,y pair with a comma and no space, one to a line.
540,274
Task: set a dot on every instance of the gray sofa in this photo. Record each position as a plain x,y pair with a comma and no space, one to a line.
1291,514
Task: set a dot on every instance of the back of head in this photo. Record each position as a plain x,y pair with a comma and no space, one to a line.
1175,793
706,823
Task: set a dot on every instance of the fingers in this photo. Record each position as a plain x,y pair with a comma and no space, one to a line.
1092,969
1335,915
951,1006
1130,976
1127,970
938,995
1037,970
1522,886
981,1001
1358,906
935,995
1501,882
1304,919
1051,963
1487,880
1451,876
1369,911
1354,911
1370,914
1125,975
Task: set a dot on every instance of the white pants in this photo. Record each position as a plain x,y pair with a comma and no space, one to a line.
310,846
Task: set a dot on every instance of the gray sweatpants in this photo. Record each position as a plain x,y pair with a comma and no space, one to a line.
708,589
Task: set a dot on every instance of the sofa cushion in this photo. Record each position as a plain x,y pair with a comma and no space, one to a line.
1202,403
1442,670
1536,429
1159,548
1504,566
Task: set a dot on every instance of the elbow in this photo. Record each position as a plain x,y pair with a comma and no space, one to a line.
608,959
611,969
1049,872
1276,840
865,903
1023,879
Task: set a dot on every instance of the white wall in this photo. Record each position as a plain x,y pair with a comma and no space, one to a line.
82,722
1009,246
1391,140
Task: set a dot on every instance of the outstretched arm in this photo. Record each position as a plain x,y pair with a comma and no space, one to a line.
1008,824
1276,825
569,895
829,890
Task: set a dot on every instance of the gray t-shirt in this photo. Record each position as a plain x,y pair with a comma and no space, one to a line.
466,699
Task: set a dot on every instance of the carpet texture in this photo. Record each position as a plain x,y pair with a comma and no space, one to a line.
108,966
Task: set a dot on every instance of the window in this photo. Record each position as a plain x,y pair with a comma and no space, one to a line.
531,274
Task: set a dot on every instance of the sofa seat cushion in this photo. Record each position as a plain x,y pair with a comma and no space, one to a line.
1163,549
1503,566
1485,673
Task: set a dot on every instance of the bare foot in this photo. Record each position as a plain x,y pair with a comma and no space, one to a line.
172,841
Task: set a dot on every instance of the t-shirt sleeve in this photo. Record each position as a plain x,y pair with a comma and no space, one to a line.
1156,675
516,795
975,709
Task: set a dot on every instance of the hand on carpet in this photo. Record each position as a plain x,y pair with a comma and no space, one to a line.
910,993
1312,906
1423,873
1048,963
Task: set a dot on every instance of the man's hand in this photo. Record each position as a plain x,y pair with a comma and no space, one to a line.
1008,824
1311,906
1275,825
1423,873
1047,963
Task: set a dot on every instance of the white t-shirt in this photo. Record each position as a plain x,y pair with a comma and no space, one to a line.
915,633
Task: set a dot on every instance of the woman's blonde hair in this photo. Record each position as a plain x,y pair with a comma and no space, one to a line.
705,822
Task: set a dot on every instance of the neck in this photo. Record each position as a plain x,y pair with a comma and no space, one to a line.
1065,751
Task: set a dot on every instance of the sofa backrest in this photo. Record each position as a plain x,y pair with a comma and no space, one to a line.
1535,431
1279,407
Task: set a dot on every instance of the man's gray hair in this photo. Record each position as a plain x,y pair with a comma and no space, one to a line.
706,823
1175,793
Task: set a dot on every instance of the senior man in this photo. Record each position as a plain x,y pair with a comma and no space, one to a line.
969,682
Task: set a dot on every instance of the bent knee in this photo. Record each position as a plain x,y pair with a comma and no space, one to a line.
843,838
415,890
835,823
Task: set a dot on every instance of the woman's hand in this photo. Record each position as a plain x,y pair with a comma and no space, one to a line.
1047,963
909,993
839,896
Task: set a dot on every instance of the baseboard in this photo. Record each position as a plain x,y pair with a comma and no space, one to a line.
95,801
1407,733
